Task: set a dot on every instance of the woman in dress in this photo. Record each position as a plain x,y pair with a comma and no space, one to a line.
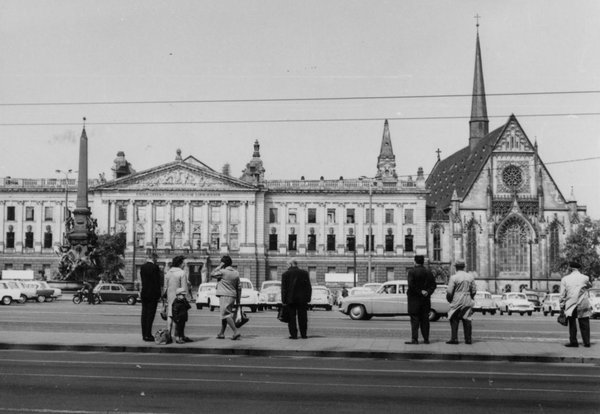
174,279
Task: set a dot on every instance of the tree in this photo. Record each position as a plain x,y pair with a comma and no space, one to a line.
582,246
109,256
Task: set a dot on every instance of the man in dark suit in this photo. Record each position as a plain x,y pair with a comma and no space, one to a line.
150,294
296,292
421,285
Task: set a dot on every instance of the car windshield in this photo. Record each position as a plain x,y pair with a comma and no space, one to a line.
270,285
13,285
246,285
518,296
533,297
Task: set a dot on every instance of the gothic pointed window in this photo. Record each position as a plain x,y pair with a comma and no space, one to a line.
437,244
471,253
554,244
513,247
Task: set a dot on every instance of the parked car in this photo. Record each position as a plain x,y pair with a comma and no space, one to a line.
515,302
321,298
359,290
28,289
534,298
44,288
484,303
249,296
9,294
270,294
373,287
115,292
497,299
595,302
205,290
550,304
389,300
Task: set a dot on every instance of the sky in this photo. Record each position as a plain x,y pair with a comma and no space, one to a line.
211,77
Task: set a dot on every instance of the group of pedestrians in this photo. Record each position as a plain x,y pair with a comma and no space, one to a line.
296,291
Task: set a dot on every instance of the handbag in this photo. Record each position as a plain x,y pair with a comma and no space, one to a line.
163,312
163,336
562,318
283,314
240,318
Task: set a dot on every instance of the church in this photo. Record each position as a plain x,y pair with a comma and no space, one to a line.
492,203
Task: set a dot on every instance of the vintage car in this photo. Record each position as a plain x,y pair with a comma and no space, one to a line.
115,292
249,296
534,298
595,302
389,300
484,303
205,290
321,298
373,287
270,294
9,294
515,302
551,304
44,292
28,289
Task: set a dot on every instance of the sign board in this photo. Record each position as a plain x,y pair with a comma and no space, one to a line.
18,274
341,278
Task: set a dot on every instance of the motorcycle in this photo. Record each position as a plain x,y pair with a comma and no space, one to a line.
82,295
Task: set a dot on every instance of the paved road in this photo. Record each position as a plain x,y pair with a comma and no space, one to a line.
67,382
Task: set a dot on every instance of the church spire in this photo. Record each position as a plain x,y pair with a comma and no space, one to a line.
478,125
386,161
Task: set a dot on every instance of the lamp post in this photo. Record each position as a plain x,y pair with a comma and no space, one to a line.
66,173
370,217
530,264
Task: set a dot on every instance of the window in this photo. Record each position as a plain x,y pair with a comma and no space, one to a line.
389,216
331,215
160,213
196,240
389,271
437,244
389,242
513,248
330,269
272,241
471,253
214,241
178,212
554,244
140,239
159,240
408,216
10,213
215,214
29,214
350,216
369,245
312,215
312,273
234,214
47,240
292,242
48,213
312,242
8,266
369,215
272,273
351,243
331,242
272,215
29,240
234,241
408,243
122,212
140,213
292,216
196,213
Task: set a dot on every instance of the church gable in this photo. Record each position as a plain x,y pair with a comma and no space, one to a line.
513,139
178,176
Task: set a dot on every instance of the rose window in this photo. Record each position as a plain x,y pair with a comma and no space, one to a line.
512,176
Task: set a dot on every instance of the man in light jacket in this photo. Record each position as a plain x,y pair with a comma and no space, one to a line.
460,293
574,301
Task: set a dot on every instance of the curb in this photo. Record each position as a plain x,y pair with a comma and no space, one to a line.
258,352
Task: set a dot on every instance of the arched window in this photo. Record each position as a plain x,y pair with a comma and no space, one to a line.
513,248
554,244
471,254
437,243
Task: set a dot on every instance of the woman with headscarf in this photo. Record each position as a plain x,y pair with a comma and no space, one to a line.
174,279
229,291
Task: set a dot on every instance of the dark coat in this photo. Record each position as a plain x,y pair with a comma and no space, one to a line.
419,278
295,287
150,275
180,310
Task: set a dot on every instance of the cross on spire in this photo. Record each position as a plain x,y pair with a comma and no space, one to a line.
438,153
477,17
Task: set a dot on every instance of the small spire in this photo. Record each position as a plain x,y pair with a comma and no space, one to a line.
438,154
84,119
478,125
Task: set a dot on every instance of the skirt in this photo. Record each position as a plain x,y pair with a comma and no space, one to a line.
226,304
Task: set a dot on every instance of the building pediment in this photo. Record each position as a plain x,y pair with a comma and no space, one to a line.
513,139
178,177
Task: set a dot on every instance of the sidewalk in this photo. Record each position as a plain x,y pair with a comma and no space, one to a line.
388,348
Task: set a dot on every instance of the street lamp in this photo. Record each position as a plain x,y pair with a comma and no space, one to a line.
530,264
66,173
370,242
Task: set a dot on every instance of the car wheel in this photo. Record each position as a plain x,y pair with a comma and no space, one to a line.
493,312
545,313
77,299
357,312
530,313
253,309
521,313
198,306
6,300
212,308
483,312
23,298
97,299
41,299
327,308
501,312
509,313
131,300
433,315
552,313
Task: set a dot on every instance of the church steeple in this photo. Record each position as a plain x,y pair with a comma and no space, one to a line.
478,125
386,161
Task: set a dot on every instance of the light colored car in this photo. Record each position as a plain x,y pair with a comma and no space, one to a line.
551,304
205,290
9,294
321,298
359,290
29,290
515,302
595,302
373,287
270,294
497,299
484,303
249,297
389,300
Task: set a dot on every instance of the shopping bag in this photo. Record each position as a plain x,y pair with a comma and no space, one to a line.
562,319
240,318
283,314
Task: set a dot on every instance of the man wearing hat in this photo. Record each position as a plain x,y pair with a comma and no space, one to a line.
574,302
421,285
460,293
150,295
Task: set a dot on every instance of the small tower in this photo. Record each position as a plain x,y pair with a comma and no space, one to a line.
254,171
386,161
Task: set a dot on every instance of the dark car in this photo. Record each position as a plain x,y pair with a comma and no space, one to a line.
534,299
114,292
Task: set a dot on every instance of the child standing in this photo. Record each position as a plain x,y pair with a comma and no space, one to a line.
180,315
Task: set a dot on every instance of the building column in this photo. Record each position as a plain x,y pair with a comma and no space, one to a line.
20,227
130,235
149,227
205,235
112,219
41,227
2,225
168,224
187,224
243,231
224,227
